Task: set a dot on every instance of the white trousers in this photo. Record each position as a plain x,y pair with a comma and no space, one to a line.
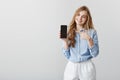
80,71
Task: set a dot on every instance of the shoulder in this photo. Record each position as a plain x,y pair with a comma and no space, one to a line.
92,32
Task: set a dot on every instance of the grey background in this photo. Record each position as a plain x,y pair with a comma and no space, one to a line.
30,48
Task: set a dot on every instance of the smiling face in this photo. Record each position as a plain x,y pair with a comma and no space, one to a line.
81,18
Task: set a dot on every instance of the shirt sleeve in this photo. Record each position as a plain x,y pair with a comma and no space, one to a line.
66,52
94,50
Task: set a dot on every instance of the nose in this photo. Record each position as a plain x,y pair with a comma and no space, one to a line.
80,18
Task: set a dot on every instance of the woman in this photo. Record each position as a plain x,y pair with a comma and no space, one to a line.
80,46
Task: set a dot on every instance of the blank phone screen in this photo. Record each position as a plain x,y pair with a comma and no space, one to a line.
63,31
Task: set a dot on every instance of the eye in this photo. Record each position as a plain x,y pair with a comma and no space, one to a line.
78,14
84,16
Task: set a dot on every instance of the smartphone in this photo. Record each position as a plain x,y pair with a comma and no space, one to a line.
63,31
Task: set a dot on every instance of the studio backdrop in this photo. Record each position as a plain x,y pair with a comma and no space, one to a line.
30,48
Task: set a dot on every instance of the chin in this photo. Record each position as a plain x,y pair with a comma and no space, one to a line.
81,24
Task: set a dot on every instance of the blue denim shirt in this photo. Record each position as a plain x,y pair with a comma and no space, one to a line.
82,52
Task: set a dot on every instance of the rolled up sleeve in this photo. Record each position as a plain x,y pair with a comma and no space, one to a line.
66,52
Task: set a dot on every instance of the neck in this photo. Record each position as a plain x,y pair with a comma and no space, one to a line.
79,27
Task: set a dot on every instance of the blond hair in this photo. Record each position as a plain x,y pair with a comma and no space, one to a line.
72,27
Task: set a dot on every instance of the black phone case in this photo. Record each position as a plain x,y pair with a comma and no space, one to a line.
63,31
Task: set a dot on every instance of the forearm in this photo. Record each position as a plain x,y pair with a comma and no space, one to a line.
65,45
